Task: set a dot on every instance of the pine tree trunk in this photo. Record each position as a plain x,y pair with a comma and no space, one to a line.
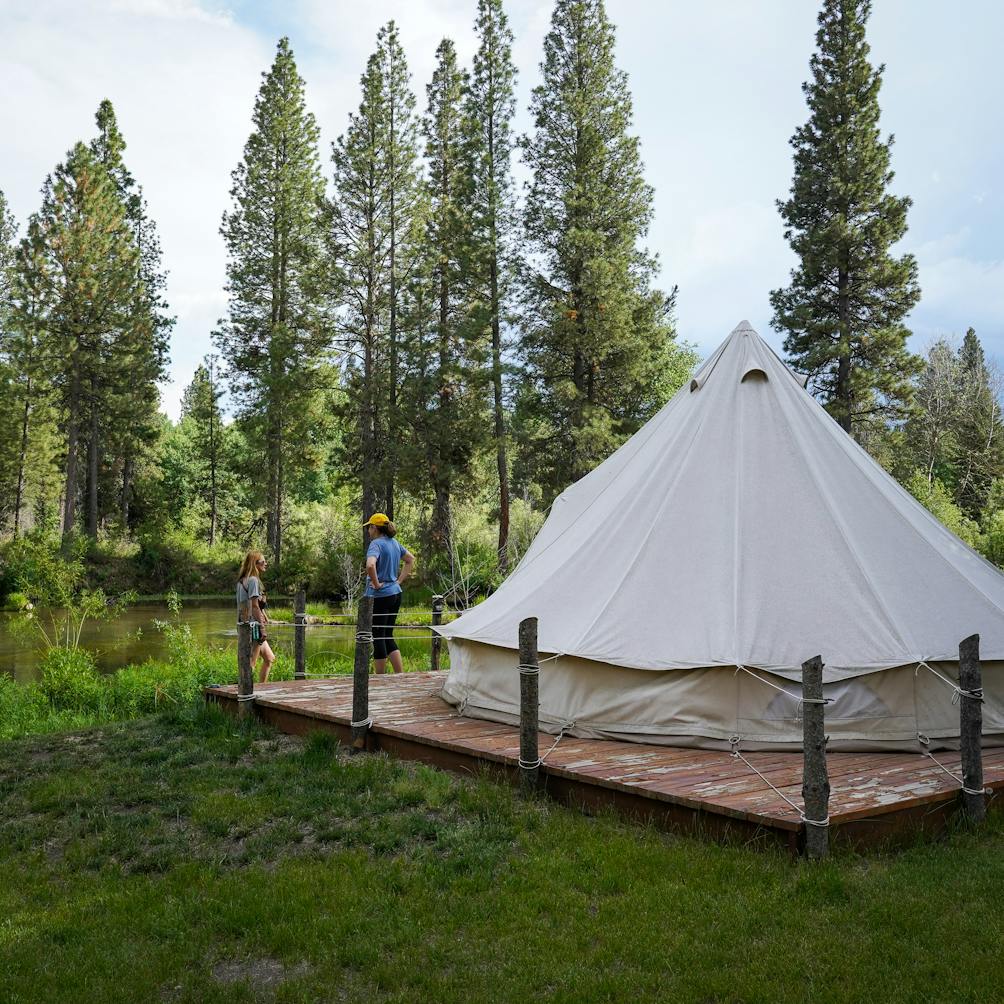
22,459
92,467
500,444
72,441
280,491
127,476
843,389
392,417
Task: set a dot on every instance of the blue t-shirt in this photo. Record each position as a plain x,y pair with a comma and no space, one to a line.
388,553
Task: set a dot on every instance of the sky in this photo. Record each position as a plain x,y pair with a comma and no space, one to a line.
717,96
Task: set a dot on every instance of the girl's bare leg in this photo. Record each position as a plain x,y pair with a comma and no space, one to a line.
268,657
395,661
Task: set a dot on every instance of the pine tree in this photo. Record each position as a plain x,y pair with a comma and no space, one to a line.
83,264
31,441
979,432
448,415
490,106
276,335
400,153
125,398
598,338
201,404
844,311
360,251
374,223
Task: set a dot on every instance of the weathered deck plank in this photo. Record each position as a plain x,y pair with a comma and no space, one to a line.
709,789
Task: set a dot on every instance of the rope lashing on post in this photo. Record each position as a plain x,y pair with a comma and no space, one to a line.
364,724
926,741
241,698
787,693
973,695
734,743
562,732
366,637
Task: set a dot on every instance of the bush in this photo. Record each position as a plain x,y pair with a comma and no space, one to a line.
70,680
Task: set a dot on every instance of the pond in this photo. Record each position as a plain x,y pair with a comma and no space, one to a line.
133,638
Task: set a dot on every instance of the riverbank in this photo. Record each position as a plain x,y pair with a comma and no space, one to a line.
183,857
71,692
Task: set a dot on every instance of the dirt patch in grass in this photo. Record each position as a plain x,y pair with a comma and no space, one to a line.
260,974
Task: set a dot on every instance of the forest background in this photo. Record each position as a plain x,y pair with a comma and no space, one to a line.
409,330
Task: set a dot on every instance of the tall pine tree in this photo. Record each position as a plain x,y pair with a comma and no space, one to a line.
374,223
277,332
83,265
400,154
598,338
490,106
446,410
200,404
124,397
843,313
980,433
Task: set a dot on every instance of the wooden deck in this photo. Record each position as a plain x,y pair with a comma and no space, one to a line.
875,797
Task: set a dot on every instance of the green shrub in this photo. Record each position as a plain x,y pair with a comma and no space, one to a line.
70,680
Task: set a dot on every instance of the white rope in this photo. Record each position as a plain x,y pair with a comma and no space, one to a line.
366,637
562,732
245,697
787,693
530,765
526,669
925,741
973,695
734,741
364,724
551,658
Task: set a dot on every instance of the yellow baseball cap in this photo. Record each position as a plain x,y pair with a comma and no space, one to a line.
377,519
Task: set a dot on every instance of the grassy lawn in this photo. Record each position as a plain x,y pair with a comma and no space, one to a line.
184,858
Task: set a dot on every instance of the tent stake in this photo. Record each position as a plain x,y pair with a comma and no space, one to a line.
971,728
529,704
361,675
815,780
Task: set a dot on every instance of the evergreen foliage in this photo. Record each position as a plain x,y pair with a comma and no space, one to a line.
375,220
844,312
491,209
201,405
598,338
84,265
277,334
443,349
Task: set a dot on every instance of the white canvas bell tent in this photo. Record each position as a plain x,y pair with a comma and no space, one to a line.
684,581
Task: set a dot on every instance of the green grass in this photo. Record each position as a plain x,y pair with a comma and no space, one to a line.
186,858
72,694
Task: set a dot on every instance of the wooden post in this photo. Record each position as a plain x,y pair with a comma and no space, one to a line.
361,674
529,704
815,780
437,642
971,728
245,681
300,636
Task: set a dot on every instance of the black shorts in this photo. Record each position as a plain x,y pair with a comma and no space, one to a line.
385,610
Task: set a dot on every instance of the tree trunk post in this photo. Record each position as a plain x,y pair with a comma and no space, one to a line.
529,704
815,780
245,681
361,674
437,641
971,728
300,636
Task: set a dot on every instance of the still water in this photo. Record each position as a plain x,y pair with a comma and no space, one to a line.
134,638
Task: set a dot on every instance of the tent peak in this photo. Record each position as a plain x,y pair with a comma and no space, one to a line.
743,328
